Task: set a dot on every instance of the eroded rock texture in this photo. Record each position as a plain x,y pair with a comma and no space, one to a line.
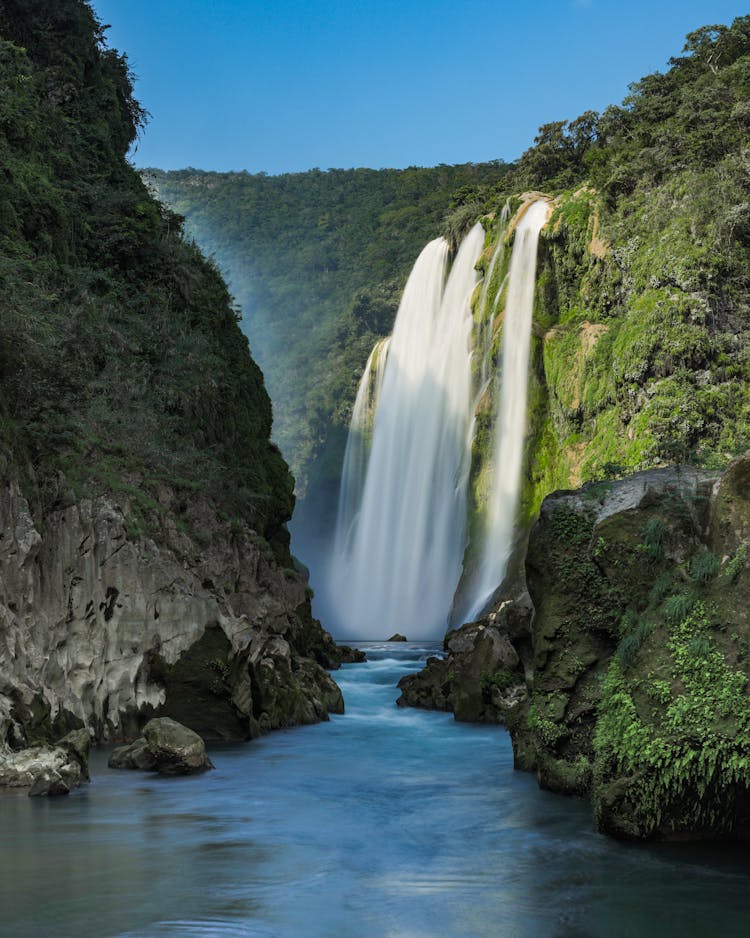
103,631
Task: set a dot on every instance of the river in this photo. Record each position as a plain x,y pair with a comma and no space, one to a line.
383,823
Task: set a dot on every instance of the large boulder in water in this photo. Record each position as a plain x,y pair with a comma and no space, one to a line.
176,749
135,756
481,677
166,747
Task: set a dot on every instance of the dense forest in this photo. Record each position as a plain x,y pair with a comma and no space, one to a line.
122,365
317,262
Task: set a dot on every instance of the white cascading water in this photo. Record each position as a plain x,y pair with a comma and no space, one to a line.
358,441
510,421
397,559
488,316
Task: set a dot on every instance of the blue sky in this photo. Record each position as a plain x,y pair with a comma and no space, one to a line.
286,85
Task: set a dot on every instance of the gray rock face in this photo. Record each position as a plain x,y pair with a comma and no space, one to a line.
47,770
103,631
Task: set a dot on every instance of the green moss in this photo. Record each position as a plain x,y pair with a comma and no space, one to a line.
685,761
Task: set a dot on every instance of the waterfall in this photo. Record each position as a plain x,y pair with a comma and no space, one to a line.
358,442
484,342
510,421
400,539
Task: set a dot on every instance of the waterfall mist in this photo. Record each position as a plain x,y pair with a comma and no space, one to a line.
401,534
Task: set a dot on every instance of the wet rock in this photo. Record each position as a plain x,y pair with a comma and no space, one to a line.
166,747
351,655
78,744
47,770
176,749
479,679
135,756
49,782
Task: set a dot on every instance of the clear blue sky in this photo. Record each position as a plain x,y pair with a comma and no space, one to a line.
286,85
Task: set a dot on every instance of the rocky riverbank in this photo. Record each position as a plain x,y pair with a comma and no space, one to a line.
622,673
104,631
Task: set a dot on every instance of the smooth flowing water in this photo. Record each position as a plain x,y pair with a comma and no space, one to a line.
383,823
510,420
397,559
358,442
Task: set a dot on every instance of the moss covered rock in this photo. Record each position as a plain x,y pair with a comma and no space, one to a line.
640,653
480,679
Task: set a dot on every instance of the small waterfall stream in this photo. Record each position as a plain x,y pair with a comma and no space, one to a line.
510,421
397,557
358,442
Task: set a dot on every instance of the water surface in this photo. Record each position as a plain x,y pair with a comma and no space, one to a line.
383,822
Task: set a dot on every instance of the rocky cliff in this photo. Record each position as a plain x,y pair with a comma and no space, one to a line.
629,682
144,558
104,631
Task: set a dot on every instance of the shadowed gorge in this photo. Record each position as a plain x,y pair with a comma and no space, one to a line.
144,557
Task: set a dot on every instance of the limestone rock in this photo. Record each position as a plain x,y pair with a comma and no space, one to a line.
176,749
480,666
47,770
137,755
103,631
49,782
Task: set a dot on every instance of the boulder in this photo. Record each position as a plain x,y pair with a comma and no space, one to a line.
47,770
481,678
49,782
351,655
135,756
78,744
176,749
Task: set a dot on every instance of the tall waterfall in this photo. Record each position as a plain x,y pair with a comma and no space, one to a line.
510,420
401,534
358,442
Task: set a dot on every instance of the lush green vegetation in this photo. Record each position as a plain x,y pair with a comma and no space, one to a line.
317,261
122,365
641,653
641,350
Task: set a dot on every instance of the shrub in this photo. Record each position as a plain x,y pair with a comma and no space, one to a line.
704,567
678,607
653,538
662,585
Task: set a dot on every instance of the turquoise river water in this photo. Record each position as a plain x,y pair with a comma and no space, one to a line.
384,823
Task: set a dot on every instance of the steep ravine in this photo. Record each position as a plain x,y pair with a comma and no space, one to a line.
145,566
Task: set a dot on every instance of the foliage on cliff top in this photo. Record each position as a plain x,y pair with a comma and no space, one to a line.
120,354
641,348
317,261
